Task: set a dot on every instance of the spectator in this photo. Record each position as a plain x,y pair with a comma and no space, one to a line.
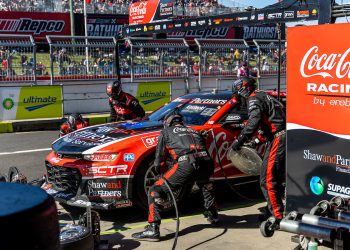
243,70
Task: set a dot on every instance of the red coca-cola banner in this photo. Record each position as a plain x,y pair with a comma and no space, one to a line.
149,11
37,24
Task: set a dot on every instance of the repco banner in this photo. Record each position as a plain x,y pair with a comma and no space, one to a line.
318,108
37,24
150,11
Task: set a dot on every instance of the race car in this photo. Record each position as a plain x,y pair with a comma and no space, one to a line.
111,165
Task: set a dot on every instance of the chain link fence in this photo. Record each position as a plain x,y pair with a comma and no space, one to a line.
18,59
151,58
82,58
267,56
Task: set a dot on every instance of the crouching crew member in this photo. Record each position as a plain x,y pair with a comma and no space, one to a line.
74,122
266,113
192,162
123,105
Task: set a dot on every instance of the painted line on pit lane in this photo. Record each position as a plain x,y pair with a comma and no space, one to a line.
242,205
26,151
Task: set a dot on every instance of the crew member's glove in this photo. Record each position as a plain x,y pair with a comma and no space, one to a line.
236,145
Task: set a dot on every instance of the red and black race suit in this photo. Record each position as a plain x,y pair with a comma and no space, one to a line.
66,128
192,162
266,113
125,107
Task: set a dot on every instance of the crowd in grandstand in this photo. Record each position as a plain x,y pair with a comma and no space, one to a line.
187,7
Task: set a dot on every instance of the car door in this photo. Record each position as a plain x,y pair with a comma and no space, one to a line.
220,139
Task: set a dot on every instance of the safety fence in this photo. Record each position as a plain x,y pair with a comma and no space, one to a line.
18,59
268,54
150,58
82,58
95,58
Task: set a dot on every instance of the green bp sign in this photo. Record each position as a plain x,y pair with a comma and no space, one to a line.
8,103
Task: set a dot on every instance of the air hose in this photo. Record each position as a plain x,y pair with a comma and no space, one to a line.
223,171
177,214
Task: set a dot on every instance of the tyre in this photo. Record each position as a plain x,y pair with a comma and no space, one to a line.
145,178
85,240
266,230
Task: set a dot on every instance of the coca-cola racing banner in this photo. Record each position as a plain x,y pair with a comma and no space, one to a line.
37,24
318,108
150,11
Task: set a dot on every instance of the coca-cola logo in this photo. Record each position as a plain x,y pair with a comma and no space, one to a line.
138,9
324,64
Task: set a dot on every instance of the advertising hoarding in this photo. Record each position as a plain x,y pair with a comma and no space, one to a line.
150,11
318,108
37,24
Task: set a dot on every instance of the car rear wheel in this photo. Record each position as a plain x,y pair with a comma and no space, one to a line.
145,178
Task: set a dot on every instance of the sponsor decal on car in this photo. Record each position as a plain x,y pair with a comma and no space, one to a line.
150,141
90,204
208,101
129,157
104,188
105,170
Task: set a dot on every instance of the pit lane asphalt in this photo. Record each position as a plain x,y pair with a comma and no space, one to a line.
239,228
16,149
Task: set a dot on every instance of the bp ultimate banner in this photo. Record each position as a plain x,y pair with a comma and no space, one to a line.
318,111
19,103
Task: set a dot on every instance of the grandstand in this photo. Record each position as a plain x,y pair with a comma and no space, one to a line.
182,7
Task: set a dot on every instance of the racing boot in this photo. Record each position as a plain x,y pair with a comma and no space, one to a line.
150,234
212,216
265,214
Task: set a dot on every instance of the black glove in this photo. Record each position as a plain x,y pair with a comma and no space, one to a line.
236,145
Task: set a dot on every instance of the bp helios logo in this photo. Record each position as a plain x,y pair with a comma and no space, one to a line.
8,103
316,185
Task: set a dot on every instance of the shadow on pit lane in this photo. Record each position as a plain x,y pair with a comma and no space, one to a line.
117,241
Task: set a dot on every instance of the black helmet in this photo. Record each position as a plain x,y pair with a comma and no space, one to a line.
173,118
73,120
114,88
244,86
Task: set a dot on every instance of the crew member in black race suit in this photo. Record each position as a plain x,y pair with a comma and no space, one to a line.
192,162
268,114
123,105
74,122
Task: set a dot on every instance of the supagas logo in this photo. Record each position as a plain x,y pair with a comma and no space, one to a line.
316,185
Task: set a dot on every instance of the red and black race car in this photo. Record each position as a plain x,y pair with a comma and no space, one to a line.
110,165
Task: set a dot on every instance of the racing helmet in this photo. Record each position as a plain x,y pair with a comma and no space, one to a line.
244,86
173,118
73,120
114,89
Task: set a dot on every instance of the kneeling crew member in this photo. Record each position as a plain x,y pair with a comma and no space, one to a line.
192,163
268,114
123,105
74,122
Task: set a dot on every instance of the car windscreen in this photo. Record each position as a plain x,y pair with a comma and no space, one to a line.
195,112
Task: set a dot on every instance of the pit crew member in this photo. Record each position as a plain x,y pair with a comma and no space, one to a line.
74,122
266,113
123,105
192,162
